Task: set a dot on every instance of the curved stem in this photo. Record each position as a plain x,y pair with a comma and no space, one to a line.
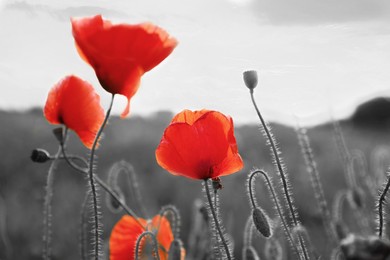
216,219
101,183
277,160
276,202
281,171
92,182
155,244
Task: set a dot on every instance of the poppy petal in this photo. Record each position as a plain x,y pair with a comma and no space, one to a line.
204,148
74,103
124,236
121,53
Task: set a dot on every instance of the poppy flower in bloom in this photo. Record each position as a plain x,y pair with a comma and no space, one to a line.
74,103
120,54
199,145
125,233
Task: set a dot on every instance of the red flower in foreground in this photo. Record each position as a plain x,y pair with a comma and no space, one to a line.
125,233
199,145
120,54
74,103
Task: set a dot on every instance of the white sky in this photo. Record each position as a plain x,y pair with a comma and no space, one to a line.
310,55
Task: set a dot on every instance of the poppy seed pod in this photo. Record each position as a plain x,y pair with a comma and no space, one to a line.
250,79
40,156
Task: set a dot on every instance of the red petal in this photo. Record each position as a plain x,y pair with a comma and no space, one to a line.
205,149
121,54
123,238
74,103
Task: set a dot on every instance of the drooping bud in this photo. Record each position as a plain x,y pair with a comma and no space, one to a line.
59,134
261,222
250,79
175,249
40,156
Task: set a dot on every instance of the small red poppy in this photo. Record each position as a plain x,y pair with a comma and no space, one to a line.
125,233
74,103
199,145
120,54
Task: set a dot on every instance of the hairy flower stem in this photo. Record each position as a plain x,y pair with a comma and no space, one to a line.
207,189
382,198
96,223
47,208
319,195
275,200
102,184
282,174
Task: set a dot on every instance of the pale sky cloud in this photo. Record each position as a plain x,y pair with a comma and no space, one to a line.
318,12
305,67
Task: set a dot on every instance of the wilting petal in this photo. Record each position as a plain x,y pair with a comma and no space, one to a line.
74,103
199,145
120,54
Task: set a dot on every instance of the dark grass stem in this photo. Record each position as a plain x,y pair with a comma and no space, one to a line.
275,152
47,214
216,221
275,200
102,184
381,201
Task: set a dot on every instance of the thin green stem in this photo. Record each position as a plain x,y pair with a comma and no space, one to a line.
92,182
207,189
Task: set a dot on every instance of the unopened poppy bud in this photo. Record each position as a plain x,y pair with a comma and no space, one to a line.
261,222
174,252
40,156
250,79
251,254
59,134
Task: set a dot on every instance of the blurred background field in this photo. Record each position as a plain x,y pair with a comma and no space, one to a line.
134,140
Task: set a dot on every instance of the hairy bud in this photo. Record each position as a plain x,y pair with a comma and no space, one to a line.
261,222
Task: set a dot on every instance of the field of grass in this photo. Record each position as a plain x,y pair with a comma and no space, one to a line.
134,140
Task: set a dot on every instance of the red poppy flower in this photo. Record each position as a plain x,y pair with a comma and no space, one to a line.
199,145
120,54
74,103
125,233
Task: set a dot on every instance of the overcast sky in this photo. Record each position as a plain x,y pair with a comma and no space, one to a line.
312,56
